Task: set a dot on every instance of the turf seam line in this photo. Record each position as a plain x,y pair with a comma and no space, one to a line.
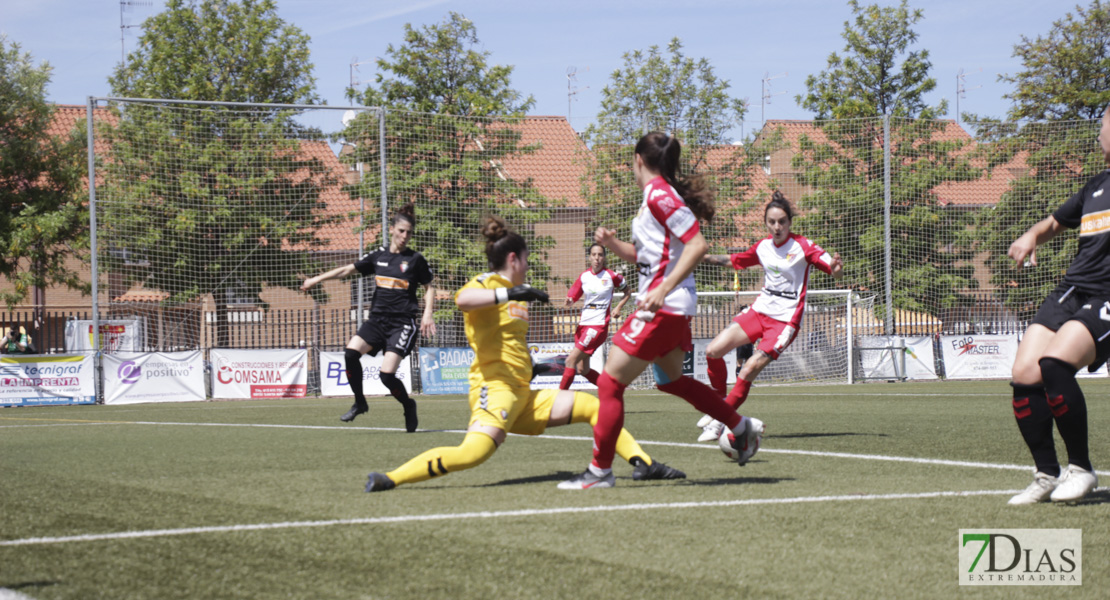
496,514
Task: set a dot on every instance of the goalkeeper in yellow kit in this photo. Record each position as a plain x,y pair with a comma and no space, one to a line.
495,311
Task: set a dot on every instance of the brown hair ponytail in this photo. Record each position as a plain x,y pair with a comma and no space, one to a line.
661,152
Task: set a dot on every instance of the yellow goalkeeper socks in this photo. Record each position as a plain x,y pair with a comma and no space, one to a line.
585,411
473,451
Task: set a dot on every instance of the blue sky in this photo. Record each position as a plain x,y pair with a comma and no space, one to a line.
743,39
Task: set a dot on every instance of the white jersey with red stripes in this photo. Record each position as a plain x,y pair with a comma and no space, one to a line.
596,291
660,231
785,274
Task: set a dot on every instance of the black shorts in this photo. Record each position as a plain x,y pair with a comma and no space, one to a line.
392,333
1065,303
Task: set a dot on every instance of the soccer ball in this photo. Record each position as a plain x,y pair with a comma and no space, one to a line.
748,447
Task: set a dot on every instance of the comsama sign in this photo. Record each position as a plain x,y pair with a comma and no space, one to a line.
259,373
42,380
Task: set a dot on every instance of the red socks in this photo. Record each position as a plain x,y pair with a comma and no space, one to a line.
568,377
718,375
703,398
610,420
739,393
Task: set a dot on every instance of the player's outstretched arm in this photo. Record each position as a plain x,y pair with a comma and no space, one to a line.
719,260
608,238
336,273
1026,245
474,298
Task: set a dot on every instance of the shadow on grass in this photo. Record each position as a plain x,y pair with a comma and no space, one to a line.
1099,496
823,435
29,585
564,475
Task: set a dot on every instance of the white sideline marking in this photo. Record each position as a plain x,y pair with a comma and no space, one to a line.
575,438
531,512
6,594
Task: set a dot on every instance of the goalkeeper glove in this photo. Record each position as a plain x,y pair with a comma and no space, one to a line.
523,292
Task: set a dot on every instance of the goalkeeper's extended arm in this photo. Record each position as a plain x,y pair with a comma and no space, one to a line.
473,298
522,292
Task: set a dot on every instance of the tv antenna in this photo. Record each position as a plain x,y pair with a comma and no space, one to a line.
961,87
767,95
124,7
572,88
354,70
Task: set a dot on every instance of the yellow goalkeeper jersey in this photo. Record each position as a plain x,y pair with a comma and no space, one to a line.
497,335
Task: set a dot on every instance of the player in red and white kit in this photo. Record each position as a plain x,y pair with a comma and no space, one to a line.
776,315
667,245
595,287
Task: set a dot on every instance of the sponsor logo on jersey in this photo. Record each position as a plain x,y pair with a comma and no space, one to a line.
383,264
1095,223
1097,194
391,283
517,310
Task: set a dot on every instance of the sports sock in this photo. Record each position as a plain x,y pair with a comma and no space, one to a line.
585,411
592,376
1069,408
473,451
610,420
568,377
1034,421
354,375
397,388
739,392
703,398
718,375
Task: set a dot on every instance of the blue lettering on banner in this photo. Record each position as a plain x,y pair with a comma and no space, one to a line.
338,372
445,370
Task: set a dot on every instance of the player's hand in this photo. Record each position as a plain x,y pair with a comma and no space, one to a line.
1022,248
308,284
543,369
528,293
605,236
427,327
652,301
837,265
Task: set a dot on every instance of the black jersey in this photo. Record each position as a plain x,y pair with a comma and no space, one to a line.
1089,210
396,276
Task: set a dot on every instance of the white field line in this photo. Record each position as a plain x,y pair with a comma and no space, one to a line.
878,457
531,512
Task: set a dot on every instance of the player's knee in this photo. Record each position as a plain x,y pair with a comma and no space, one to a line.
1055,371
388,379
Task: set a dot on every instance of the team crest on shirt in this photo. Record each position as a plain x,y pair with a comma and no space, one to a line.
404,266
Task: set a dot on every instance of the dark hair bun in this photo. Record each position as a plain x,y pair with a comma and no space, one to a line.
494,229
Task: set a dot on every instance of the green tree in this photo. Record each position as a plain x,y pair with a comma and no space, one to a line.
43,218
1059,96
451,123
880,75
216,200
681,96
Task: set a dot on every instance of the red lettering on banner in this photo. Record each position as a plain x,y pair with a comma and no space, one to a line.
279,391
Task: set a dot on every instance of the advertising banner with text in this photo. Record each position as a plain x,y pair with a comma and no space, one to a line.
130,378
978,356
333,375
259,373
445,370
47,379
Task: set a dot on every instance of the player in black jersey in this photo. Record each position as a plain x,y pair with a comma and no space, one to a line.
1070,331
392,323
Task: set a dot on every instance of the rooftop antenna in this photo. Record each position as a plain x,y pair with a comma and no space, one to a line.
767,95
354,70
124,7
961,88
572,88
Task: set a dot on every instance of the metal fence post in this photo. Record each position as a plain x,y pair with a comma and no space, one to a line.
89,130
889,324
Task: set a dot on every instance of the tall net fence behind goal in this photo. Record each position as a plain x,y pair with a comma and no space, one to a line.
209,217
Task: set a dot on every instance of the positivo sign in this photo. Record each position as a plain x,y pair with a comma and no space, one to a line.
1021,556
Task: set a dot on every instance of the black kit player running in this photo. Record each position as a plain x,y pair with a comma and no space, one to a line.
392,327
1070,331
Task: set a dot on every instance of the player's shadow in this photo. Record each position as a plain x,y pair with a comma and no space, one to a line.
780,436
557,476
1099,496
28,585
737,481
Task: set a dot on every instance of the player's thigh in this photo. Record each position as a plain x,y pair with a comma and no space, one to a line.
670,365
540,409
1034,342
731,338
624,367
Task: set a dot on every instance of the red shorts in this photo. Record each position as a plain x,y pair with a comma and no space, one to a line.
588,338
648,340
774,336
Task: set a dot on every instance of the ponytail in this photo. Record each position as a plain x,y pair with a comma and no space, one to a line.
661,152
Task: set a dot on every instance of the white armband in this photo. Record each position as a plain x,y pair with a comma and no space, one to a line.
501,295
